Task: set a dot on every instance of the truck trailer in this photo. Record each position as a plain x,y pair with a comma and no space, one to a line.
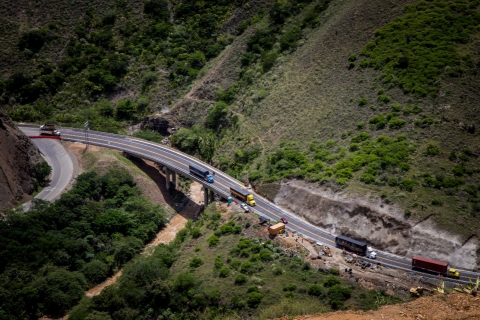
243,195
202,173
276,228
434,266
349,244
49,129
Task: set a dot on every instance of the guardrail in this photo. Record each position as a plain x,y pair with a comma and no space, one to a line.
45,137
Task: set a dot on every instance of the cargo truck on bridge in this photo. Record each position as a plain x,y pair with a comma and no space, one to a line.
434,266
349,244
243,195
202,173
49,129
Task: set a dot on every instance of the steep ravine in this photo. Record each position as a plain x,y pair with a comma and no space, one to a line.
381,226
18,157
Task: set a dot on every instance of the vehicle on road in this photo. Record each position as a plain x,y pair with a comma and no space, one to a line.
202,173
49,130
421,263
263,219
371,254
276,229
284,220
244,207
243,195
349,244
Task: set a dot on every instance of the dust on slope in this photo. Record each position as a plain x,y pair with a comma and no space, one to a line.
438,307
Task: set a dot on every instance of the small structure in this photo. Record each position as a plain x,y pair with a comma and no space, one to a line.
276,228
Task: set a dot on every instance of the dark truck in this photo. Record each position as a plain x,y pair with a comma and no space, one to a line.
244,195
348,244
435,266
204,174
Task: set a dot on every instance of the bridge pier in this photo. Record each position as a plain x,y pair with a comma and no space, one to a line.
205,196
167,178
212,196
174,180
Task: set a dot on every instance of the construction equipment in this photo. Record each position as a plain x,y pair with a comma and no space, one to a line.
326,251
278,228
49,129
435,266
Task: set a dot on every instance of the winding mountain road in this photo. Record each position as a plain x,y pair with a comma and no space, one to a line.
179,162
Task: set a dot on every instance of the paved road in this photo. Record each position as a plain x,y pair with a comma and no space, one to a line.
180,161
61,163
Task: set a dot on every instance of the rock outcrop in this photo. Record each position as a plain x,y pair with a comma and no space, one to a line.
18,157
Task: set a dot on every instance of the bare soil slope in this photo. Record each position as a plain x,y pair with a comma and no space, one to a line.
18,156
453,306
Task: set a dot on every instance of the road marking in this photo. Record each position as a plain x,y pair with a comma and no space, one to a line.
181,163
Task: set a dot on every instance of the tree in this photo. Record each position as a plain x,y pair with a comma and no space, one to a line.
217,116
95,271
126,110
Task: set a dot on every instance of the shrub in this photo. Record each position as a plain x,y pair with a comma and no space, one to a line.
213,241
367,178
196,232
277,271
360,125
408,184
330,281
352,58
335,272
383,98
241,279
95,271
362,136
378,122
126,110
254,299
393,182
396,107
437,202
407,212
315,290
337,295
246,267
196,262
395,123
224,272
290,287
432,150
290,37
268,60
362,102
265,255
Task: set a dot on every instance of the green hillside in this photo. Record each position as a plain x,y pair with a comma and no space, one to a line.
211,271
367,97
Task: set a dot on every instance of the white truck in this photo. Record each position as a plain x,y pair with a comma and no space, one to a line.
49,129
371,254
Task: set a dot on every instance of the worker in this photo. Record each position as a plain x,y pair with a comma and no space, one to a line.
213,172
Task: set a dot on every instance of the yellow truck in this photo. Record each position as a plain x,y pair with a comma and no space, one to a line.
276,229
243,195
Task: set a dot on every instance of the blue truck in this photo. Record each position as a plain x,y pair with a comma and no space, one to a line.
202,173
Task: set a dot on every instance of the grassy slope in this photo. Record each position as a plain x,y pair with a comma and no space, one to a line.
312,95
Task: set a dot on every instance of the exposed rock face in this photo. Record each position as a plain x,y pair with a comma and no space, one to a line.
158,124
381,226
18,157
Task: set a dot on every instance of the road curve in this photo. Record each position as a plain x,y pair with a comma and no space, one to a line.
180,161
61,163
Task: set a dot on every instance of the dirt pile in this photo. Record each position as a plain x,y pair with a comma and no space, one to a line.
453,306
18,157
381,226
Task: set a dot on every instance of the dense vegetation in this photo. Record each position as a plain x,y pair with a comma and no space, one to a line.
111,50
51,254
420,47
244,278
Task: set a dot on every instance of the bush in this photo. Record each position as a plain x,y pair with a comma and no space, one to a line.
268,60
383,98
196,232
213,241
126,110
331,281
241,279
432,150
378,122
408,184
265,255
196,262
362,102
224,272
254,299
315,290
290,287
395,123
246,267
337,295
362,136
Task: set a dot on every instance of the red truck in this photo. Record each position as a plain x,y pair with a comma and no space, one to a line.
435,266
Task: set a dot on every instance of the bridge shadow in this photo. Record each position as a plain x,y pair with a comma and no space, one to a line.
174,198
